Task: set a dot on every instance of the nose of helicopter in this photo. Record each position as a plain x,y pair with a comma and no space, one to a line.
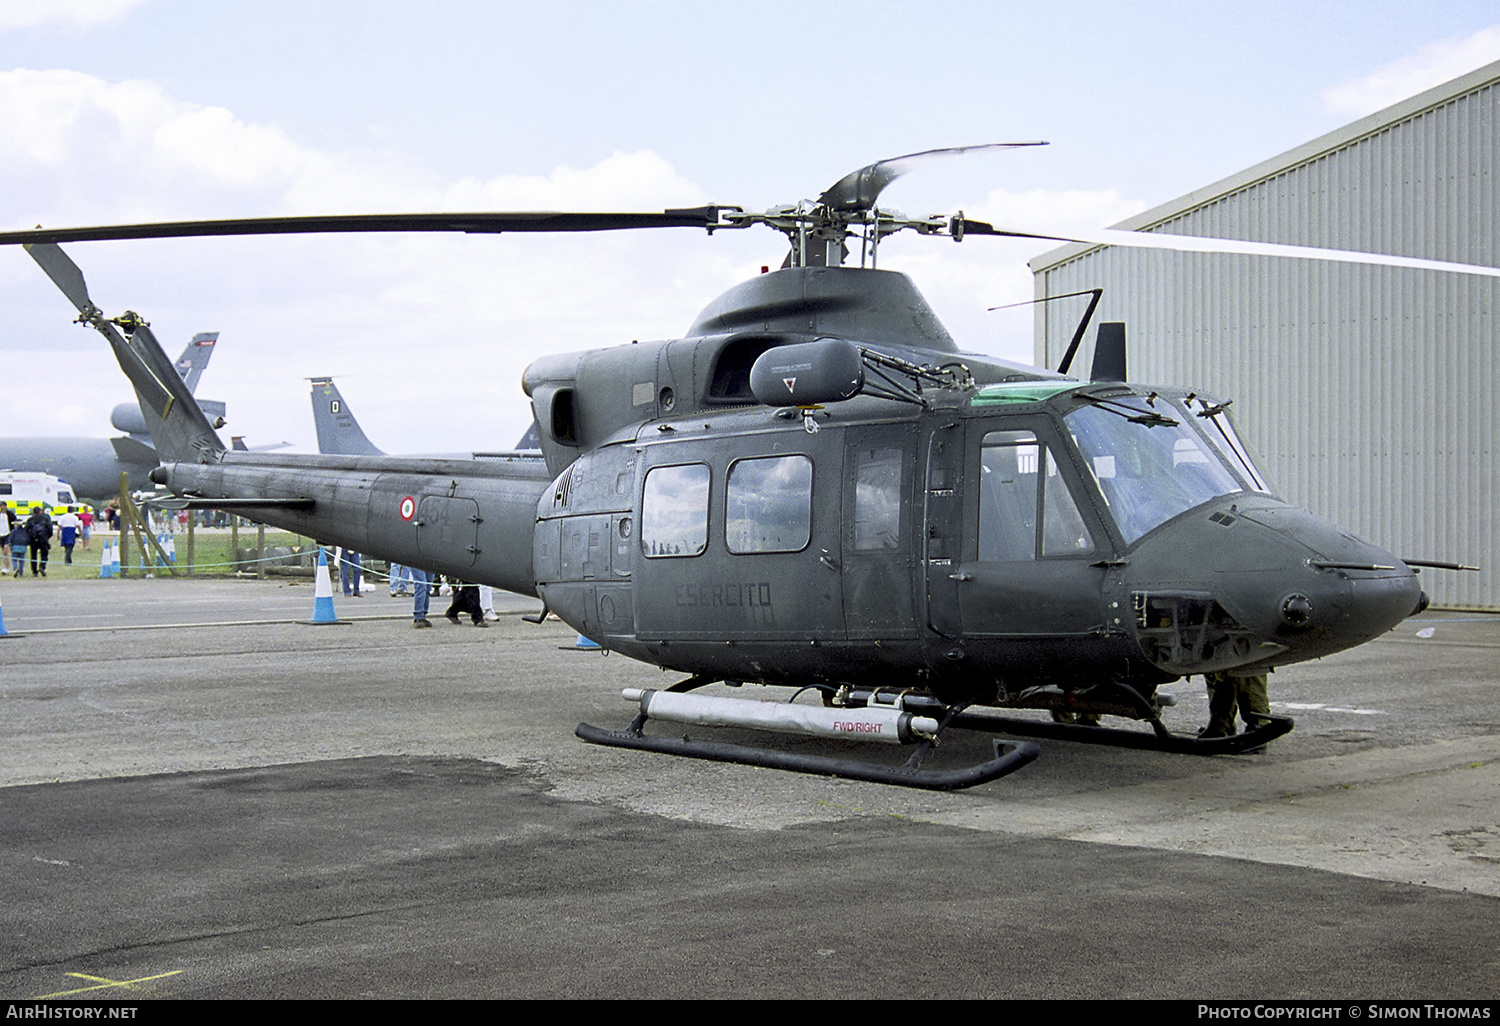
1274,585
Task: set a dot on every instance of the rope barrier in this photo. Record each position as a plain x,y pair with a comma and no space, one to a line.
333,561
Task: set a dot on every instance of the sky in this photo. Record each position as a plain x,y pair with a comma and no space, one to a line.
115,111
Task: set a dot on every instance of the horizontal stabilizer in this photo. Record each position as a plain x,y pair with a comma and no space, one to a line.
132,450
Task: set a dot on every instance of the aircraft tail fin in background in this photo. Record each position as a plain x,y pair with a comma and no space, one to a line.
338,432
178,427
195,358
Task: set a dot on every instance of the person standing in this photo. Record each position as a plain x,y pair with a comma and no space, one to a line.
86,526
401,579
20,537
67,532
465,600
349,572
422,593
10,525
1230,694
39,533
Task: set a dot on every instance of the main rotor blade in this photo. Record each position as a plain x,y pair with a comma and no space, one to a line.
64,273
1204,244
485,223
859,190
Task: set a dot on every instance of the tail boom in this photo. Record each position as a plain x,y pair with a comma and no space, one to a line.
472,520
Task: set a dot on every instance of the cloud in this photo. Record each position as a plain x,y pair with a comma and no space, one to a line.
1430,66
70,13
455,316
116,150
429,334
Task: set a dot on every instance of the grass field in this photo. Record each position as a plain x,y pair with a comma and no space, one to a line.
211,554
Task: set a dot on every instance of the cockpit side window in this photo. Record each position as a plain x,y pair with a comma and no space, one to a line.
1025,508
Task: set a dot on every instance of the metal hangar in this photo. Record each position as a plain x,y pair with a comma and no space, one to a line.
1370,393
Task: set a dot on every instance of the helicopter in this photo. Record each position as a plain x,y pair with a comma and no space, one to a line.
815,488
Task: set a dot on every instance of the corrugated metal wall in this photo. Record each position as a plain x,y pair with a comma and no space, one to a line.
1369,392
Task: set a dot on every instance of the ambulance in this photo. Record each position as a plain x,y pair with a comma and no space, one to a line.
22,490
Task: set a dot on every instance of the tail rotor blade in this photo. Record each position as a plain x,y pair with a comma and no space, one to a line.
64,274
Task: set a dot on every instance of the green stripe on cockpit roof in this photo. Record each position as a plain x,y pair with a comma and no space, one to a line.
1020,392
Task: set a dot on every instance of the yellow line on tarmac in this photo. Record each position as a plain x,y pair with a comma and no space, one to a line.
102,984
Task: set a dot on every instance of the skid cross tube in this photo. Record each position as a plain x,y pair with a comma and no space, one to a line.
991,720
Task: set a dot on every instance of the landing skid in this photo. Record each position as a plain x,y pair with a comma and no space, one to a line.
1009,756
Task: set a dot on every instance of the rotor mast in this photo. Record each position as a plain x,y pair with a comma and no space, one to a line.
819,231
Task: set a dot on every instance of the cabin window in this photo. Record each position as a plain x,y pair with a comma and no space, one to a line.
1025,508
674,511
877,498
768,504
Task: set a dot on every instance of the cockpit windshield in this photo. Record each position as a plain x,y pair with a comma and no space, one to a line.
1149,460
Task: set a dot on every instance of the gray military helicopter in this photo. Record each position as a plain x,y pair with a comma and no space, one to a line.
816,488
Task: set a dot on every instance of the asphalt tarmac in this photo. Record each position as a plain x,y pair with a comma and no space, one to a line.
201,797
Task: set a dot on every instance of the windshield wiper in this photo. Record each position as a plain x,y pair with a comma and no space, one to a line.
1150,418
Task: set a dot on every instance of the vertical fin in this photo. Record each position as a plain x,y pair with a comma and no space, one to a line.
195,358
338,431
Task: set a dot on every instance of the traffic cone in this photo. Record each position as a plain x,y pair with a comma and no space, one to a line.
323,594
171,547
587,643
105,569
114,558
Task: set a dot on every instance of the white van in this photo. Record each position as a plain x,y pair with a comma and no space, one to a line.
21,490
